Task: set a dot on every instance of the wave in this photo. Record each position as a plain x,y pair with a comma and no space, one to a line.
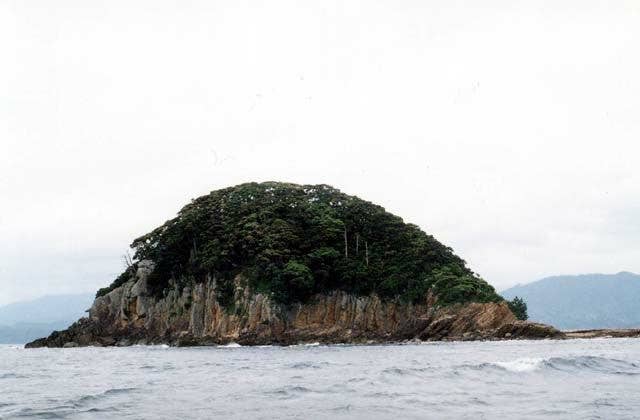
287,392
40,414
576,364
12,346
303,345
82,404
61,412
595,364
12,375
85,399
308,365
398,371
521,365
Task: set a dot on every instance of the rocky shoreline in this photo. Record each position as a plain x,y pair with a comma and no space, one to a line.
85,333
524,331
130,315
603,333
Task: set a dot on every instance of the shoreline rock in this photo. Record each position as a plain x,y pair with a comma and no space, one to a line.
130,315
604,333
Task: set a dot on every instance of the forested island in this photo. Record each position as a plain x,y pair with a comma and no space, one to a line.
281,263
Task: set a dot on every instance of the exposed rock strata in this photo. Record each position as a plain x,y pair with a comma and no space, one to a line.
131,315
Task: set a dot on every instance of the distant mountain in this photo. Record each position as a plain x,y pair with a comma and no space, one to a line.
22,322
584,301
25,332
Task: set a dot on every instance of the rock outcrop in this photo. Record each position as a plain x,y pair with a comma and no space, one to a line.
131,314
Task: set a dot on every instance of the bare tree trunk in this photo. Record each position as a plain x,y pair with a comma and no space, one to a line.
346,245
366,253
357,244
128,262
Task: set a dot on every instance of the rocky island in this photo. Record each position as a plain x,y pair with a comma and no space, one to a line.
278,263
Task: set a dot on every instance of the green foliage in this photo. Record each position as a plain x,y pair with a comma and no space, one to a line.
519,308
292,241
297,280
451,284
119,281
225,292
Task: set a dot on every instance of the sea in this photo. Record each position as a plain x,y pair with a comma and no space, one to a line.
570,379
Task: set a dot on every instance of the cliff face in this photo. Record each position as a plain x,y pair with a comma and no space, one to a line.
131,315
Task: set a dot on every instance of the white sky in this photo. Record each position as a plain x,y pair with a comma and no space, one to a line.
509,130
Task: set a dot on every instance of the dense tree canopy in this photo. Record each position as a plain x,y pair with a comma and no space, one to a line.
293,241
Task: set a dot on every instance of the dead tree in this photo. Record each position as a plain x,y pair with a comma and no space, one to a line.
128,261
366,252
346,244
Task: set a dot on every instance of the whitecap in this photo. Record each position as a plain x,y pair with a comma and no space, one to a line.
13,346
293,346
527,364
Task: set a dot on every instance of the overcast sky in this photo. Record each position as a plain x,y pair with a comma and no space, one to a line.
509,130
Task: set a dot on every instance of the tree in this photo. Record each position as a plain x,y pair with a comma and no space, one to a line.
519,308
298,279
453,284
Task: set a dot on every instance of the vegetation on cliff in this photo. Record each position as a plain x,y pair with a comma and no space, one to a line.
120,280
519,308
293,241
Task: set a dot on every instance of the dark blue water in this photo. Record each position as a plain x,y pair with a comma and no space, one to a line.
597,379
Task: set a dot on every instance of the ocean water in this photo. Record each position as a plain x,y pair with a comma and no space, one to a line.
595,379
